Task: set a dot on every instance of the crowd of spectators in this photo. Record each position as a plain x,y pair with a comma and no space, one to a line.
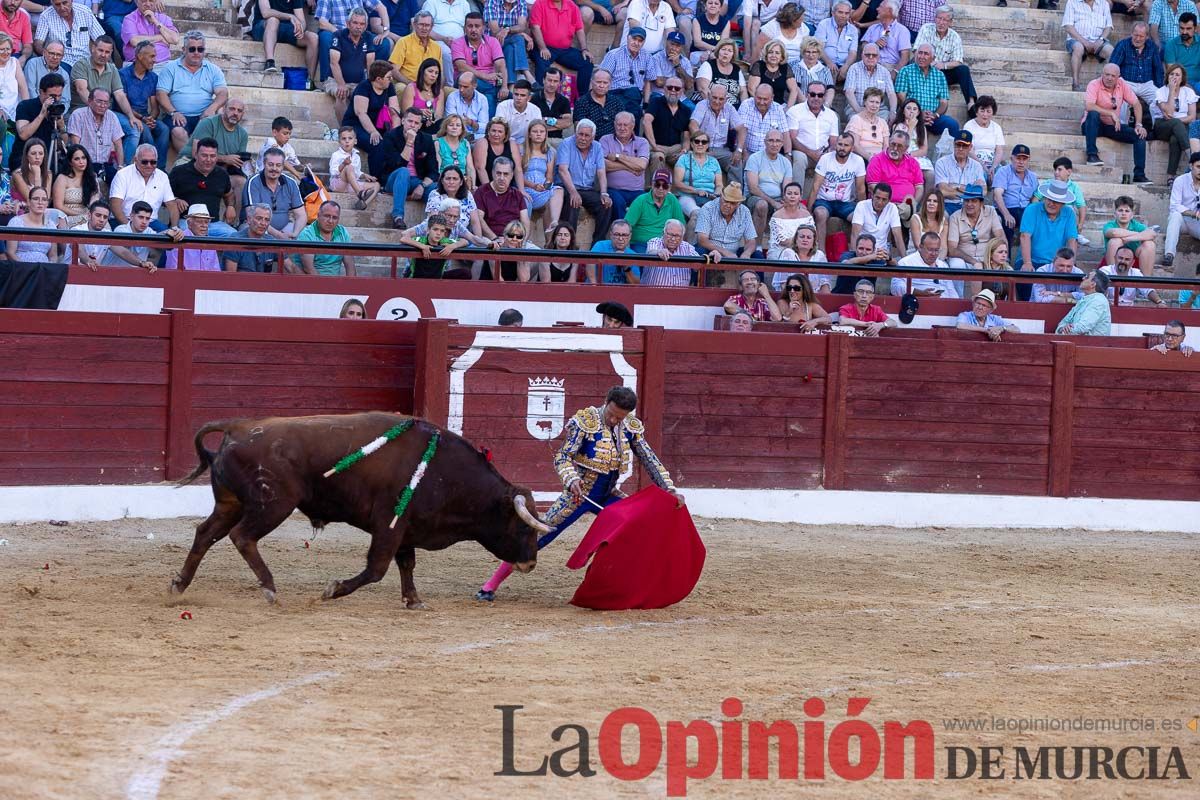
683,139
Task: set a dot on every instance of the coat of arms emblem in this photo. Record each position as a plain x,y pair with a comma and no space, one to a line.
546,409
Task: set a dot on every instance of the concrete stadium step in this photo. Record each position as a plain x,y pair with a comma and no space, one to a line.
1032,67
269,102
1018,27
247,54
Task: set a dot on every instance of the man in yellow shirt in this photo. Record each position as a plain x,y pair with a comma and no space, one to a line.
411,50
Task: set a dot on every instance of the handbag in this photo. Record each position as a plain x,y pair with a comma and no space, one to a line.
383,120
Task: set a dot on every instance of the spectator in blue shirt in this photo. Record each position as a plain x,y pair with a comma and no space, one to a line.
982,317
141,84
1013,187
619,235
582,176
1046,228
1141,63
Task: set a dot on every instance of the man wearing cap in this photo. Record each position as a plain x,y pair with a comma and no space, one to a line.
626,156
632,71
1063,264
666,125
982,317
1184,212
1104,104
755,298
955,172
649,211
926,256
672,62
901,172
614,315
1091,316
195,258
1012,189
725,227
619,235
863,313
654,16
1046,228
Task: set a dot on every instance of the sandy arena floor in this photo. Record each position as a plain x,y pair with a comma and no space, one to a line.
106,693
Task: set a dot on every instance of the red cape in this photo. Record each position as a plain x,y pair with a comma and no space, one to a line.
645,554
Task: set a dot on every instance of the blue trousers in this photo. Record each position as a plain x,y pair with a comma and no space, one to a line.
400,183
160,137
945,123
622,199
324,45
516,59
488,90
563,513
569,58
1093,128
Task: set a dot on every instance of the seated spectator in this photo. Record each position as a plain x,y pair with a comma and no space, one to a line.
233,143
665,125
717,118
201,182
561,238
788,28
141,89
405,163
797,303
471,106
483,55
754,298
12,80
274,21
697,177
1091,315
774,70
346,172
670,245
190,88
1013,188
49,62
911,122
415,49
559,38
582,174
650,211
1106,98
995,257
870,131
195,258
425,94
500,201
15,21
766,173
893,39
1141,64
709,28
453,148
1174,333
804,248
96,128
948,53
782,228
281,194
148,24
98,72
497,144
840,184
814,129
900,171
41,118
926,256
35,218
1174,111
1124,268
741,322
75,189
931,217
462,226
350,59
987,138
620,233
1184,49
256,228
1184,213
95,221
865,252
969,231
1045,229
452,184
555,106
280,139
1063,170
863,313
722,70
145,256
927,86
368,103
1064,263
982,317
353,309
511,318
518,112
879,218
724,226
34,171
326,227
142,181
515,237
599,105
955,173
1087,24
436,233
69,22
915,14
655,17
508,22
672,63
864,75
840,39
810,70
632,71
1126,233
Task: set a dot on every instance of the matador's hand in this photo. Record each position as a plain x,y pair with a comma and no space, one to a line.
576,489
679,501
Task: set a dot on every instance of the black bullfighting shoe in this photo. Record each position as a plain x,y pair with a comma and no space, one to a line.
485,596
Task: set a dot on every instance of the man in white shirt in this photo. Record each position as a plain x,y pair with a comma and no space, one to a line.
1087,24
814,129
518,112
1124,268
92,255
926,256
1185,209
879,217
840,183
141,180
655,16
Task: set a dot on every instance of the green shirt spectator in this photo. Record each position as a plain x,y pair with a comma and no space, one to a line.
326,229
649,212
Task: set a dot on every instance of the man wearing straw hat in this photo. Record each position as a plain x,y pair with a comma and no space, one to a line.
982,317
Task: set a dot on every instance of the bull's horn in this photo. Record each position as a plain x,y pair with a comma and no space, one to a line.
527,516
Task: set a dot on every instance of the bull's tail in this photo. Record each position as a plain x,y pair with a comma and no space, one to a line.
206,456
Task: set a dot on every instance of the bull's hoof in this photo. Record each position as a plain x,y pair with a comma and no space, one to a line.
269,594
330,588
176,586
484,596
416,605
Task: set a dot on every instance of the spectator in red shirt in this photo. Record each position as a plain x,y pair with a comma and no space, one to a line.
15,22
863,314
755,298
555,25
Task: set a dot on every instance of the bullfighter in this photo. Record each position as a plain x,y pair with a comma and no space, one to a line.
596,450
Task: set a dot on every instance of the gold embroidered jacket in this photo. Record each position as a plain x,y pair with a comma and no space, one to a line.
590,449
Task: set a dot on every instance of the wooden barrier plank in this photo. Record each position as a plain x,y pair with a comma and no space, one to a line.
833,434
766,465
1137,491
144,438
285,330
792,426
82,348
980,373
915,483
889,467
461,337
751,407
884,348
73,418
70,474
704,385
85,372
82,459
1134,358
780,345
900,392
1129,464
495,381
308,355
1096,476
84,323
1154,441
1130,400
937,411
753,446
722,479
55,393
328,376
1147,380
1009,450
982,431
297,398
764,366
1062,411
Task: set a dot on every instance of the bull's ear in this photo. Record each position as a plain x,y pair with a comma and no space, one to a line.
527,516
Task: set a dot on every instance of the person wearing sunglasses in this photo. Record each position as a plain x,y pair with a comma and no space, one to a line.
968,233
665,125
697,177
814,129
514,238
649,212
191,88
798,303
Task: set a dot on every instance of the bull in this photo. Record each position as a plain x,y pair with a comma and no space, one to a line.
267,468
